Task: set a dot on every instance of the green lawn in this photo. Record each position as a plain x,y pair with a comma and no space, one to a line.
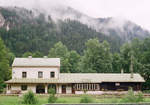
14,100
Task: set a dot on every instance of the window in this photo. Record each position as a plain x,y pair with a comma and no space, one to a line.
86,86
52,74
23,87
9,87
24,74
40,74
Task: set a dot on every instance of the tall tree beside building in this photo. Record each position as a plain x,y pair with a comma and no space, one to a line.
141,64
4,65
59,50
69,59
97,57
125,55
145,63
116,63
131,49
74,60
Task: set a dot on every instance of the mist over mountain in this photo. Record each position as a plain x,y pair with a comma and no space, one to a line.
38,29
123,28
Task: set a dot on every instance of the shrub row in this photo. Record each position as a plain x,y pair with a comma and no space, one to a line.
30,98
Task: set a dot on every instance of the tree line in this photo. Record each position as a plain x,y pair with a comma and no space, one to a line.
96,58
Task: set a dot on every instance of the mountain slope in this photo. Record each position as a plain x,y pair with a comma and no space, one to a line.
24,31
123,28
33,30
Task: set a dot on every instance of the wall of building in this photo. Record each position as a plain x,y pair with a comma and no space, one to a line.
32,72
68,89
59,88
17,87
122,86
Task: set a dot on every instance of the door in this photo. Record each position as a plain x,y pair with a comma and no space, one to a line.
40,89
63,89
73,88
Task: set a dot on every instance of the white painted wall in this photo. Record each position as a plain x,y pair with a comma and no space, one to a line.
32,72
68,89
18,87
59,88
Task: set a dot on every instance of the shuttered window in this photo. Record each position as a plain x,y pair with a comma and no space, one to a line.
24,74
52,74
40,74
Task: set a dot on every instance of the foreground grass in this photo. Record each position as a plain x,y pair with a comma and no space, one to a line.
14,100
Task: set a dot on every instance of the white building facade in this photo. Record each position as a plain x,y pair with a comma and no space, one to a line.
41,74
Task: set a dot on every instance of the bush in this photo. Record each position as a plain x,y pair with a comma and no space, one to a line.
86,99
29,98
51,91
140,97
131,97
146,91
2,86
52,98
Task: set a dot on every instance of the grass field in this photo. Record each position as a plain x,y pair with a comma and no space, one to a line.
15,100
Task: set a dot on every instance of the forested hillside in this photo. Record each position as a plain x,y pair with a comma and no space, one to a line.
23,32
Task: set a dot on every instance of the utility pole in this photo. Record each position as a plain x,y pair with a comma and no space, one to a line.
131,64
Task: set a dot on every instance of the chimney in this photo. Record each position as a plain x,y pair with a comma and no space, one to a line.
122,71
45,57
131,67
29,57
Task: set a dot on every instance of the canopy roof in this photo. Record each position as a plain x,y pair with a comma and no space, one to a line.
84,78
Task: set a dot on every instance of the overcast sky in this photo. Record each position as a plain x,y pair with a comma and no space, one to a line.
137,11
